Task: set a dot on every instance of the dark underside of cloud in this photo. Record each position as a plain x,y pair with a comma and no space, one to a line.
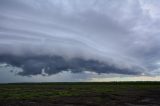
33,65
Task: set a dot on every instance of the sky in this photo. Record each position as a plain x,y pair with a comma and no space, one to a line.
75,40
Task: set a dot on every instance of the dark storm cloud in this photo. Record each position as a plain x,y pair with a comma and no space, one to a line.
106,36
33,65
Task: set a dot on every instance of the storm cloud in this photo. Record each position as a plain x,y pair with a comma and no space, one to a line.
106,36
34,65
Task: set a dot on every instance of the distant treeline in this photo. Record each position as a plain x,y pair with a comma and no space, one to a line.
87,83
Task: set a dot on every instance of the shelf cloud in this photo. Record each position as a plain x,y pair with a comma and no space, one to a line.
106,36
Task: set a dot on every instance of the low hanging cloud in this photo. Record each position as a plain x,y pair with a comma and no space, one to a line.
71,35
54,64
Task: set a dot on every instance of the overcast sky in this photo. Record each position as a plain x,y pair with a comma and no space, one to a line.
76,40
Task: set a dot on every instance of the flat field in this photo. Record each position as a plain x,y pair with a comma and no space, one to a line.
81,94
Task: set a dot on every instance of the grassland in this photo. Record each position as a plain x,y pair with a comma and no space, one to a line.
81,94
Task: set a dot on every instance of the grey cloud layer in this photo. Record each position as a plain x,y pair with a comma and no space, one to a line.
110,36
33,65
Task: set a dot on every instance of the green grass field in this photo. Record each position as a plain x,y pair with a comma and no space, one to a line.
54,92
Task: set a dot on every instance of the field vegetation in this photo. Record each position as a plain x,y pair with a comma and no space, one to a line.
80,93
